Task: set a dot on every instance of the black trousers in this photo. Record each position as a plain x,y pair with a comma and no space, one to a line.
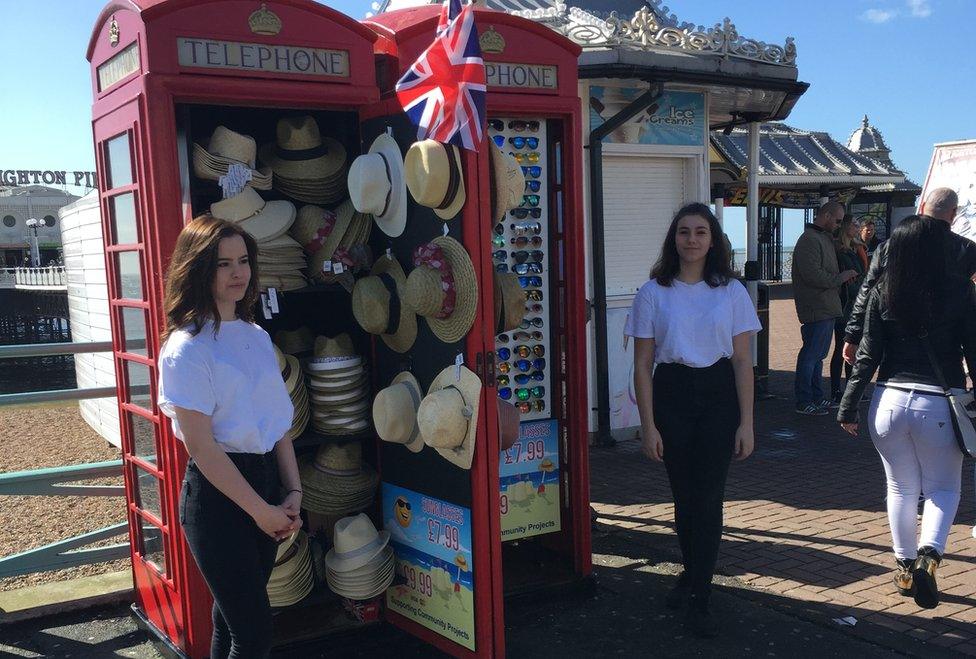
233,554
836,362
696,410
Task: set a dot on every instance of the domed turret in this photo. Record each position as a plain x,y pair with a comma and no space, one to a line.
867,141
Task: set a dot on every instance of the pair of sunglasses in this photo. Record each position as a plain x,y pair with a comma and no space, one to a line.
503,367
522,213
526,158
520,228
501,267
532,280
525,365
533,186
522,256
502,380
525,378
522,142
499,140
530,200
518,125
531,172
534,335
526,268
497,124
527,351
499,229
535,296
534,392
499,255
503,354
498,241
526,407
532,322
522,241
501,338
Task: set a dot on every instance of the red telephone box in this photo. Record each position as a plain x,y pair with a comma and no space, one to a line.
165,74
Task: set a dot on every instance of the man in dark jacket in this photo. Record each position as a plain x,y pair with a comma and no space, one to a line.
960,254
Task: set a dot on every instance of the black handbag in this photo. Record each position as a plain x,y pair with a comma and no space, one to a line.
962,406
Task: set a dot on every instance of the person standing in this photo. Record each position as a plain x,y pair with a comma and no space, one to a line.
920,319
846,243
869,237
220,385
816,282
693,377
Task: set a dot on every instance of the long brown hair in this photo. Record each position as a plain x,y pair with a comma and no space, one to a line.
189,301
718,270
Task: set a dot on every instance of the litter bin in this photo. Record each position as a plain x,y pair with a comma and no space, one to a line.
762,342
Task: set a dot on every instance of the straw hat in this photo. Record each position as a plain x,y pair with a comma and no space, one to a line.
448,415
435,177
395,412
337,481
319,231
508,425
367,582
300,153
227,148
425,289
356,543
333,357
377,187
507,182
263,220
378,306
509,302
294,341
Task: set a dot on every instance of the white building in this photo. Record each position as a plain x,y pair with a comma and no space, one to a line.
17,205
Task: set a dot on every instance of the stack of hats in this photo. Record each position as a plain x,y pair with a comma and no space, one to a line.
338,387
228,148
292,577
266,221
291,373
330,235
280,264
360,564
306,166
337,482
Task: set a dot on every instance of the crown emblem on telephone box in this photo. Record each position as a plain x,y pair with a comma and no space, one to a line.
264,21
491,42
113,33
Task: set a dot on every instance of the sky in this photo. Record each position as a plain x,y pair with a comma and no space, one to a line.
908,64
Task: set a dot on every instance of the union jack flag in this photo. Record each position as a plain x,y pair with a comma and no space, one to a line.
443,92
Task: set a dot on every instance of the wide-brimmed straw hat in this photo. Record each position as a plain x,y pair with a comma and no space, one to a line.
395,412
377,186
264,220
356,543
435,177
509,302
507,182
226,148
293,342
299,152
337,481
443,288
319,231
448,415
333,357
377,304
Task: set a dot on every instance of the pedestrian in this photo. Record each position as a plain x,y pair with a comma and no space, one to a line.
845,242
693,377
959,254
219,383
817,279
919,318
869,237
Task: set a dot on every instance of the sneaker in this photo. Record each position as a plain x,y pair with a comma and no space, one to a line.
926,588
678,596
812,409
904,581
700,622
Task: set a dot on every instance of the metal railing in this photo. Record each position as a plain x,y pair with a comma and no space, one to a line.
51,482
49,278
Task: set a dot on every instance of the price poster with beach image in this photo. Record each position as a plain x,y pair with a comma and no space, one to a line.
529,476
434,584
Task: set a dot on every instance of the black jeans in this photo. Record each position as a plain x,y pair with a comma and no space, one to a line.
836,361
696,410
233,554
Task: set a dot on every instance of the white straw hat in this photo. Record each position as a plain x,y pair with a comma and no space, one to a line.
263,220
448,415
435,177
395,412
377,186
356,543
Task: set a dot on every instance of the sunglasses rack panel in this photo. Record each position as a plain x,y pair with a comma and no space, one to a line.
520,245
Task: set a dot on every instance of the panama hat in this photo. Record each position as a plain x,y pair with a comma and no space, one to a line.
333,357
336,480
509,302
508,425
443,288
376,185
299,152
448,415
507,182
264,220
395,412
435,178
378,306
356,543
227,148
294,341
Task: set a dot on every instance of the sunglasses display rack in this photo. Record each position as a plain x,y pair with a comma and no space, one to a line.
520,245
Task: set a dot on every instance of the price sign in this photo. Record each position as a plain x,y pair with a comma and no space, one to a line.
530,482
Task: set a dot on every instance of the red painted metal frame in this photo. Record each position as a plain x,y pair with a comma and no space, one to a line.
403,36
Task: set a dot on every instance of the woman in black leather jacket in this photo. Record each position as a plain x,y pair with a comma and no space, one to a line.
915,303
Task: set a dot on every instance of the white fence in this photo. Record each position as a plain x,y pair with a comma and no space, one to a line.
50,278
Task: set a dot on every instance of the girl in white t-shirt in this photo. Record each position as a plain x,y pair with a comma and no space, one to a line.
694,381
219,383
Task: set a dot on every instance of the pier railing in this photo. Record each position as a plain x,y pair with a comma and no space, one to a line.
50,278
69,552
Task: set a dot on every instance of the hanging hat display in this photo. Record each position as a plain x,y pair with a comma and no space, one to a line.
377,186
320,231
434,177
448,415
227,148
395,412
337,481
378,306
507,182
509,302
360,564
306,166
443,288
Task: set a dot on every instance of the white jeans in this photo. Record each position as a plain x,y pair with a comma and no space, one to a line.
912,432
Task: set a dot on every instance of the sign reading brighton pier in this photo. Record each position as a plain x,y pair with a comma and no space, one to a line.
14,177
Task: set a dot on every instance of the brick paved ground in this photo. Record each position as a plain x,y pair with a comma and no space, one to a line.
805,520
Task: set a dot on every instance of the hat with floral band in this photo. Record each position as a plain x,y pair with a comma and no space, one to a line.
443,288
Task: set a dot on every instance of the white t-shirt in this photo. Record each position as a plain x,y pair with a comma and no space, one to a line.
691,324
233,378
